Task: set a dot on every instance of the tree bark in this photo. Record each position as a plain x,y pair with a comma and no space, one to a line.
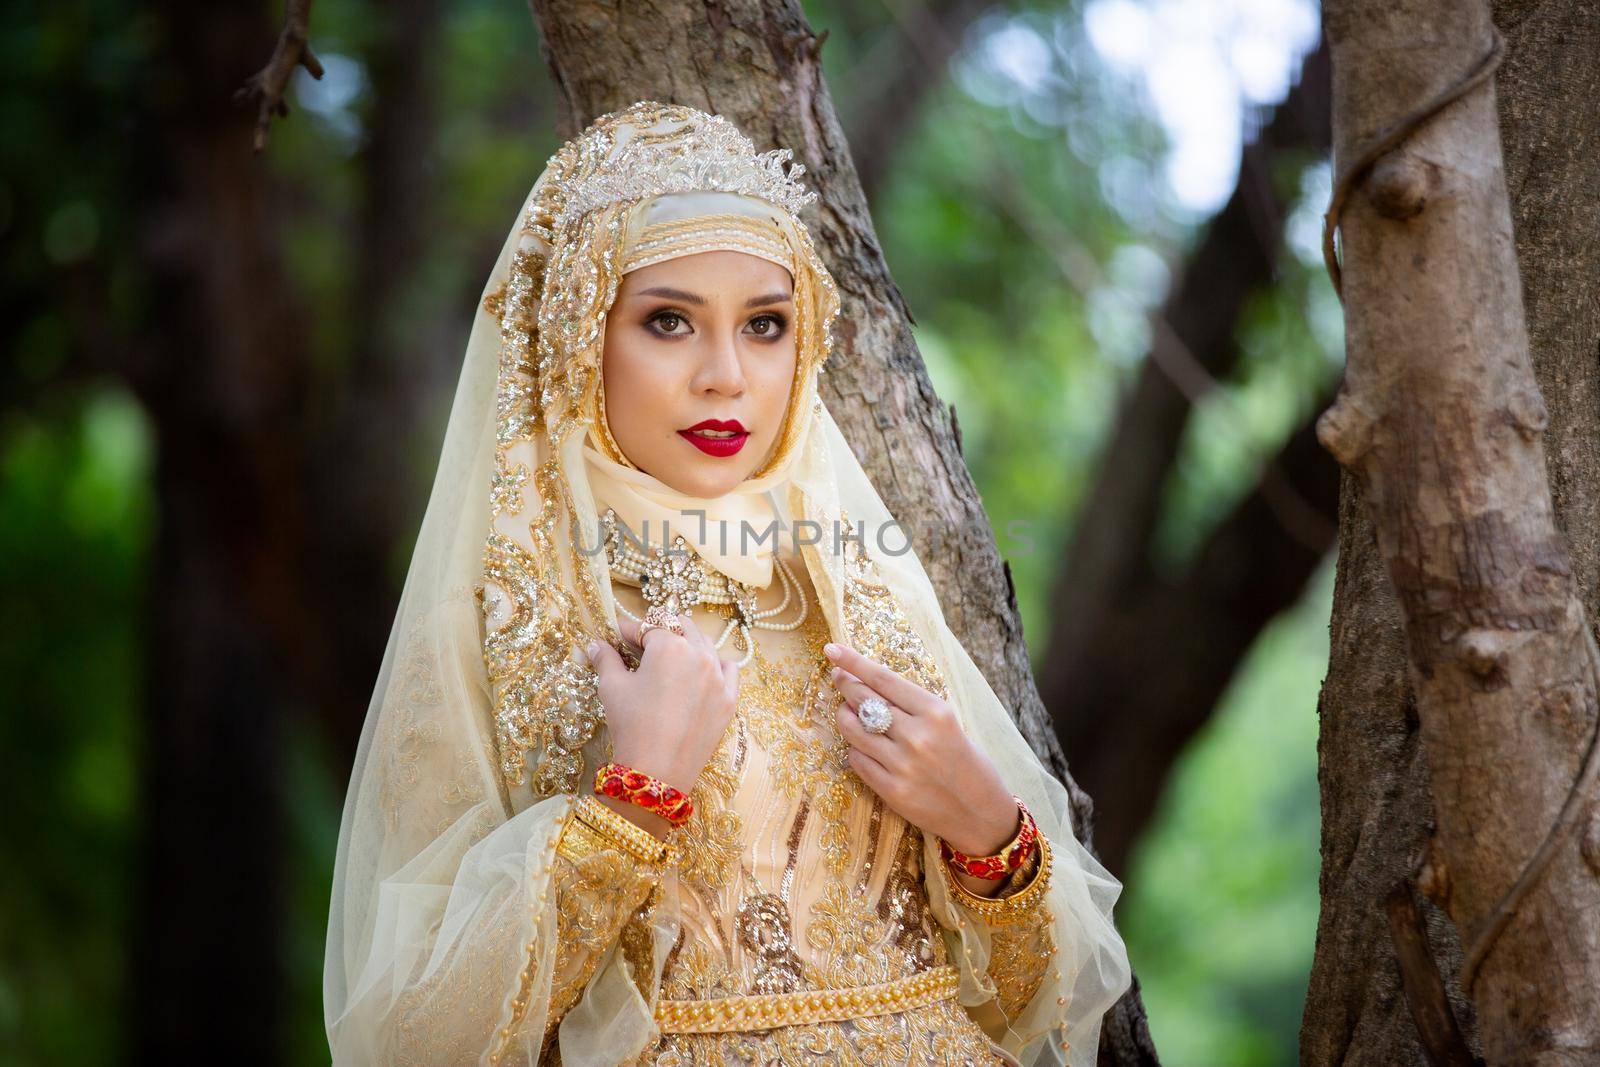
1477,680
757,63
1112,606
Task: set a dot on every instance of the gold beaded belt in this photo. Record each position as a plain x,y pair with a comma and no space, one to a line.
763,1011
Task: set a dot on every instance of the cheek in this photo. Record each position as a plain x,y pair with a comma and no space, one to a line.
776,378
635,383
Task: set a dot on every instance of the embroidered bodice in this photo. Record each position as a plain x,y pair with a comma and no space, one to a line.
793,876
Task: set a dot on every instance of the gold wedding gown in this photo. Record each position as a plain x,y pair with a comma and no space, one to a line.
792,876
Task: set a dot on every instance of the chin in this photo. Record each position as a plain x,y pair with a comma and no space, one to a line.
707,483
706,476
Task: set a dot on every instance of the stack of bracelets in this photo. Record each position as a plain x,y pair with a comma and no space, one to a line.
622,782
1007,860
636,787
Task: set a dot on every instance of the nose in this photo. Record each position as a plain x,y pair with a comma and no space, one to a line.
721,369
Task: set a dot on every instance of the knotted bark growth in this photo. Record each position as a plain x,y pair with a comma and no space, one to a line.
1441,424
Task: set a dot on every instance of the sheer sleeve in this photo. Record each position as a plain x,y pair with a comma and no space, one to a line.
434,925
607,874
1017,926
468,923
1022,945
1043,962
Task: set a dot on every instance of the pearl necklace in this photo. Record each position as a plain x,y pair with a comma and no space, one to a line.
678,579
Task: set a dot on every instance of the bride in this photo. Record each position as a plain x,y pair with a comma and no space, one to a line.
672,757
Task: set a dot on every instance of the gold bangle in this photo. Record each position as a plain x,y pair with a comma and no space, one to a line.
623,833
579,841
1001,911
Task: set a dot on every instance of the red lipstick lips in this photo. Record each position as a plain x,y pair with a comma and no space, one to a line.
732,436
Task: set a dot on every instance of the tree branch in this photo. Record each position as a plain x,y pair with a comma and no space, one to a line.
266,86
891,111
1132,723
1424,990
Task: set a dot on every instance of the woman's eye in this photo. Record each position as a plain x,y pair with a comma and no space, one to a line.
767,326
667,322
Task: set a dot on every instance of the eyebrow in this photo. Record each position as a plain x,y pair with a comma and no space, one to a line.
770,298
699,301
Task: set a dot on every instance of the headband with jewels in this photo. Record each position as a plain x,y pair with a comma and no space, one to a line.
649,149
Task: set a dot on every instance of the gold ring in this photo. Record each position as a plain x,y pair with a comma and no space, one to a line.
658,618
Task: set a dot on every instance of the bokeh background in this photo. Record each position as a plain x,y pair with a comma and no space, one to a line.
1044,177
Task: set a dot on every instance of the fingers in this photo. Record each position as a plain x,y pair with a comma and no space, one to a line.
604,659
662,633
870,771
692,633
852,688
629,628
896,689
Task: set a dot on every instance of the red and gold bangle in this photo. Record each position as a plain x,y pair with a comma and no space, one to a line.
1005,861
636,787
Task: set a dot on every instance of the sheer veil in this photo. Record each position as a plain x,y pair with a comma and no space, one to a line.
484,718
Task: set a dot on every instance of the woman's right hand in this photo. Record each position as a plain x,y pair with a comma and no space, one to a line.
667,717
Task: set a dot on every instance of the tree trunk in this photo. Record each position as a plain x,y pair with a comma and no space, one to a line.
1483,667
757,62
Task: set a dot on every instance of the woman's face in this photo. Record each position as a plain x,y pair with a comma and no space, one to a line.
698,339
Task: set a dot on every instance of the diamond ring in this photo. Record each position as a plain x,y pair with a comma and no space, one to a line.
876,715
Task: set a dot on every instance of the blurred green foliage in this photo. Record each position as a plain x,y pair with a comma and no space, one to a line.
74,549
1221,907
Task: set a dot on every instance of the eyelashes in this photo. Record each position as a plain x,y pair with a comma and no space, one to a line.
655,324
777,328
673,324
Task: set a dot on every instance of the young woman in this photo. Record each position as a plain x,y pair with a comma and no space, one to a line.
673,758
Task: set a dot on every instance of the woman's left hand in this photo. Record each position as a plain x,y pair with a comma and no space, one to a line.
926,767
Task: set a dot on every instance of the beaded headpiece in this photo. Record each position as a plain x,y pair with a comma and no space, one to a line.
754,233
648,149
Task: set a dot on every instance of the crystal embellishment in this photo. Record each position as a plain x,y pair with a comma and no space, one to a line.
875,714
672,578
652,149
